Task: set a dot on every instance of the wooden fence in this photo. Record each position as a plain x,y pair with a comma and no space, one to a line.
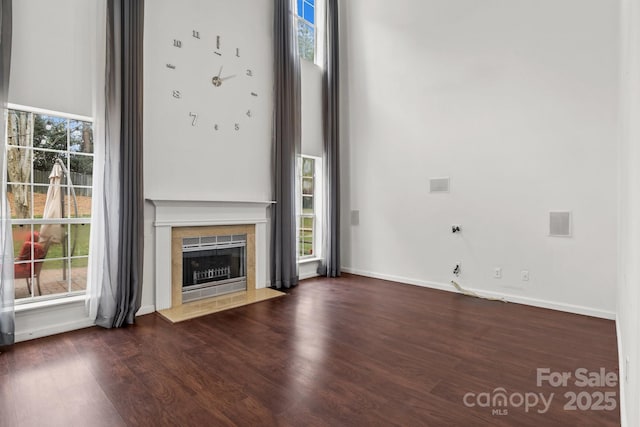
78,180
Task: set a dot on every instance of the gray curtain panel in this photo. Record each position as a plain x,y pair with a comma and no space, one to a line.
330,265
286,140
7,319
124,81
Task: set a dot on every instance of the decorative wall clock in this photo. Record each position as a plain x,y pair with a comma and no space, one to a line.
220,93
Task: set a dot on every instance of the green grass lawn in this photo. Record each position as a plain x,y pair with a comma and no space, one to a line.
78,233
306,242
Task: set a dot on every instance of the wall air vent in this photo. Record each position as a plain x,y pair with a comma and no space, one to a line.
560,224
439,185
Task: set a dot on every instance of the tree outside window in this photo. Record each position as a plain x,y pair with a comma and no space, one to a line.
306,17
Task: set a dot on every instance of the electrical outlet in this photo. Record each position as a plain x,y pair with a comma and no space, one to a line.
497,273
524,275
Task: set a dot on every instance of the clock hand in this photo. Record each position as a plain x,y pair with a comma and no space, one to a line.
216,80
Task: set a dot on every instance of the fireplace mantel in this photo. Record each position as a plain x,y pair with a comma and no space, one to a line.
170,213
191,213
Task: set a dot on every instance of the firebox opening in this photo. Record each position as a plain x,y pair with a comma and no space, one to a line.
213,265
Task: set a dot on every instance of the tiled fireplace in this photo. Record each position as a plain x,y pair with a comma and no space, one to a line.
233,231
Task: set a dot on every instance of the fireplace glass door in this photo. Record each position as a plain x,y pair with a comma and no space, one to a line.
213,265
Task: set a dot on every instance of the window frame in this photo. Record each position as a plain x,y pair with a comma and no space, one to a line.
317,208
68,221
318,7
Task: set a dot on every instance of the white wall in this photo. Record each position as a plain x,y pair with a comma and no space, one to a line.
629,230
51,63
196,162
516,102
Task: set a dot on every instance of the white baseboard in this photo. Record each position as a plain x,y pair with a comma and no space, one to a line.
559,306
54,329
308,268
146,309
621,380
63,317
309,275
55,317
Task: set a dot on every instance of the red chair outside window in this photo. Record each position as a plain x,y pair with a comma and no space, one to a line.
23,271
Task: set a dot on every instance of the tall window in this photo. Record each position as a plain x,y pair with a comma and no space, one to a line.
49,182
307,31
309,224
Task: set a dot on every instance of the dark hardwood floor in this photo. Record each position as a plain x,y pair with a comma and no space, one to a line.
351,351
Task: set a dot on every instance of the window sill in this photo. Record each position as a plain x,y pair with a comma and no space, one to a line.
48,303
309,260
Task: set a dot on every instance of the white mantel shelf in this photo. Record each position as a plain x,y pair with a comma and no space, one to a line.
166,202
171,213
193,213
